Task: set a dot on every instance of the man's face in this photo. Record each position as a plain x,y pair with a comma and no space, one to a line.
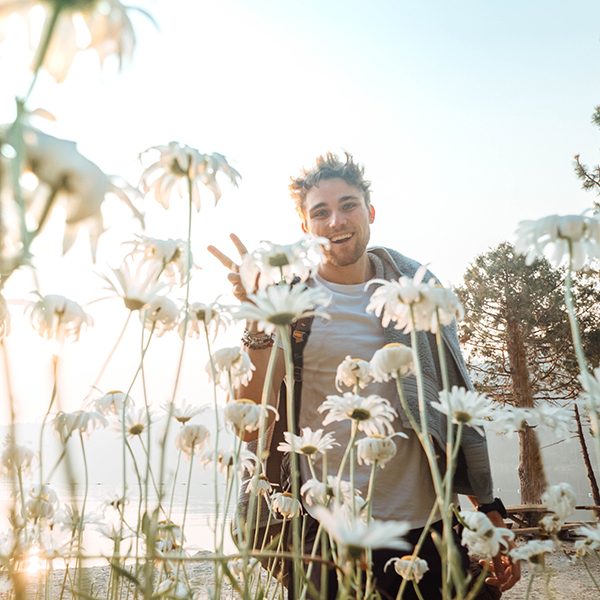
336,210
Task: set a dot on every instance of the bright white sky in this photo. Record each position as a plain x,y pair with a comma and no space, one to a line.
466,114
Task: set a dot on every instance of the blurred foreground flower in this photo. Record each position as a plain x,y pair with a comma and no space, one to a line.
272,263
111,403
102,26
372,415
58,318
65,175
464,406
281,305
41,502
481,537
181,167
15,457
574,238
560,499
533,551
245,463
354,535
590,542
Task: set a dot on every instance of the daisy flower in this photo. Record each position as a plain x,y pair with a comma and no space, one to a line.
205,317
173,256
272,263
562,239
560,499
245,415
281,305
182,411
354,535
403,301
177,165
481,537
15,457
82,421
41,502
136,421
309,442
555,418
464,406
261,486
230,366
191,439
111,403
408,567
446,307
106,26
353,373
590,542
136,282
393,360
225,459
533,551
160,315
377,449
372,415
286,505
58,318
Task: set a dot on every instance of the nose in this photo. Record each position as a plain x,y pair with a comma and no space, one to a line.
336,219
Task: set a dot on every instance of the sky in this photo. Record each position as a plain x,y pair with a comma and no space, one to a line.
465,114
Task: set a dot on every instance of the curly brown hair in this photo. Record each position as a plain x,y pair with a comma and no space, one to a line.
329,166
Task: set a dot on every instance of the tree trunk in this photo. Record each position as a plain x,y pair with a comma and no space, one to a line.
532,477
588,463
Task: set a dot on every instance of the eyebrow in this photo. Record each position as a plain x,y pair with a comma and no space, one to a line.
340,200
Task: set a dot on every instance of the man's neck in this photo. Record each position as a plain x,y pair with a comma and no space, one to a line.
359,272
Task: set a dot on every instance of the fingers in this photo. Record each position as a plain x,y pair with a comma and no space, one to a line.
504,572
238,289
238,244
222,258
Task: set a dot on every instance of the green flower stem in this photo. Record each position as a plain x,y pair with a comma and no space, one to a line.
347,453
110,355
530,584
42,51
186,319
284,335
171,500
369,500
578,345
262,433
217,433
45,419
587,568
144,349
435,472
417,548
185,506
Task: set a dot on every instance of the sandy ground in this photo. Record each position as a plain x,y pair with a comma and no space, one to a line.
567,580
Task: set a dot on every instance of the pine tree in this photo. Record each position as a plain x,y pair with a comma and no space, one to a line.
517,333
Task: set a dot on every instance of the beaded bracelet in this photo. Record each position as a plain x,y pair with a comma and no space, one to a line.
258,340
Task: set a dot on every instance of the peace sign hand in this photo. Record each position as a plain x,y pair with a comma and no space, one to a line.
234,269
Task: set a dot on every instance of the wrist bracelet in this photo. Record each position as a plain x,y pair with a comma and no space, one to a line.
258,340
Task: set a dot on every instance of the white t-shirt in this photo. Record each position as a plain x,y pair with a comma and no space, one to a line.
403,487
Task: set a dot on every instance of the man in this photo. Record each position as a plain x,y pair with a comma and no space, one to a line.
333,201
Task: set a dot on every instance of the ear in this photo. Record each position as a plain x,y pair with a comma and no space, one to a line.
303,226
371,213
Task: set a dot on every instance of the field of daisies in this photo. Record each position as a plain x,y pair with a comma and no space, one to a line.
52,522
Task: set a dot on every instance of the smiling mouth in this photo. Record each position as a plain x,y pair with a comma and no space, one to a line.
341,238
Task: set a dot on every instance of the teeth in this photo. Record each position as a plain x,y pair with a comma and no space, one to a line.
343,236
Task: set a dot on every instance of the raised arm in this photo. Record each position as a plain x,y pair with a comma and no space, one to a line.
259,352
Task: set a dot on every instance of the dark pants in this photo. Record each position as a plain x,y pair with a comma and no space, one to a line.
387,583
